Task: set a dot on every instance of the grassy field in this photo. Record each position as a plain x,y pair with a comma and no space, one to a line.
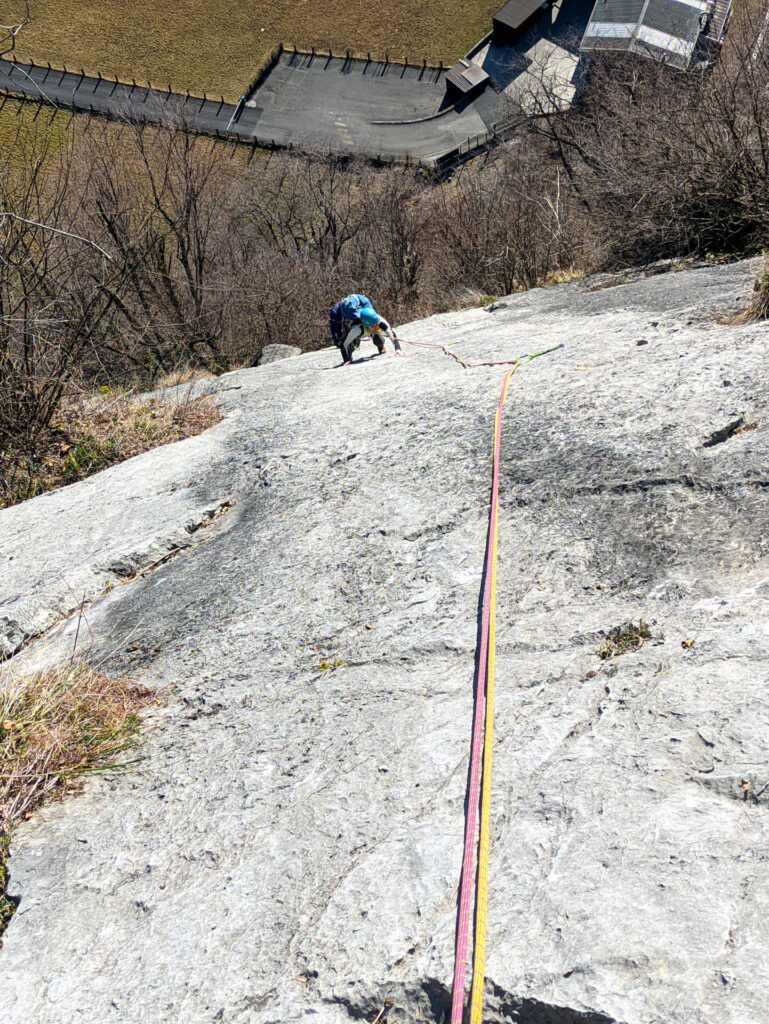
218,48
22,123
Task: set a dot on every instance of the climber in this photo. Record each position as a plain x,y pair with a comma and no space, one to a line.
350,319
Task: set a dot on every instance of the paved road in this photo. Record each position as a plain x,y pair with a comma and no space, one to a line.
349,105
343,104
304,100
69,89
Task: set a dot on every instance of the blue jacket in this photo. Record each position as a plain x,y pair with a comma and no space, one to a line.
344,314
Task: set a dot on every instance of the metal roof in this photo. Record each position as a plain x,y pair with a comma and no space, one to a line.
666,28
466,76
516,12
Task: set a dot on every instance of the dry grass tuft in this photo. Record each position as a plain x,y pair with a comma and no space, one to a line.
55,725
188,375
624,638
23,126
91,433
758,307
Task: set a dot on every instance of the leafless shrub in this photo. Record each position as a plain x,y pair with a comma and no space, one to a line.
757,308
502,228
663,162
56,290
158,196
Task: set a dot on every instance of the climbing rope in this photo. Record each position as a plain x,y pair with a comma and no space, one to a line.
480,764
474,366
479,785
447,351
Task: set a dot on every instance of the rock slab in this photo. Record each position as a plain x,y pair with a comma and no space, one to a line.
288,846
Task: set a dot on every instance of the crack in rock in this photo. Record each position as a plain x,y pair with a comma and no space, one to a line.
641,485
429,1002
15,636
748,788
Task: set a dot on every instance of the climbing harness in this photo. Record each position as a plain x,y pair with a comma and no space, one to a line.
479,785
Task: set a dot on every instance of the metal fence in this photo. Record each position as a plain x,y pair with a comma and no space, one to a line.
326,52
120,100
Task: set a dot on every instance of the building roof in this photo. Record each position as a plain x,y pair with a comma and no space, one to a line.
466,76
669,29
516,12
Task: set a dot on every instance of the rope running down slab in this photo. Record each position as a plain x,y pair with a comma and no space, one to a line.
479,785
480,766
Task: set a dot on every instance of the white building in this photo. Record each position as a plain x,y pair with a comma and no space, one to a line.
668,30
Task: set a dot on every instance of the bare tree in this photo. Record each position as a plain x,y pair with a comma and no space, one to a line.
55,289
667,162
160,197
306,203
9,33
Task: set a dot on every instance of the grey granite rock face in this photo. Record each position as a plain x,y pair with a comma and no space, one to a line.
288,846
272,353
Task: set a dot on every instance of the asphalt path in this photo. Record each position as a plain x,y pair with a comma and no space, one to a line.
363,106
371,107
71,90
349,105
